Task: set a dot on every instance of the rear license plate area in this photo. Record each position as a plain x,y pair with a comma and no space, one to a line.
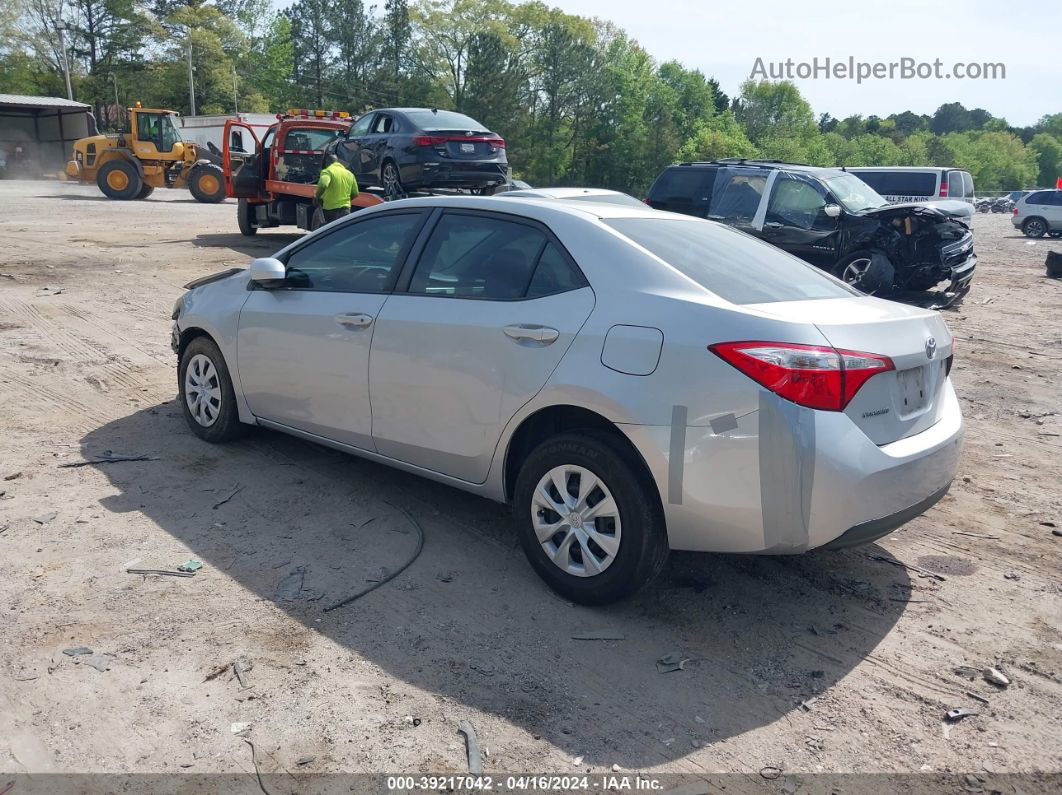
468,149
914,391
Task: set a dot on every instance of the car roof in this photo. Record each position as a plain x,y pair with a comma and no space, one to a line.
918,169
769,164
561,193
529,207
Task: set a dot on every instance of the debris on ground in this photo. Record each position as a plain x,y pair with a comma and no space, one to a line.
239,727
163,572
304,760
908,566
955,715
966,671
475,760
976,697
216,673
44,518
107,457
190,565
101,662
577,761
289,588
770,772
672,661
240,669
236,488
77,651
599,634
13,475
392,575
996,677
1012,575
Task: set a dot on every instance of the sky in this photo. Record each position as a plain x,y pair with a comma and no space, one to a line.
724,40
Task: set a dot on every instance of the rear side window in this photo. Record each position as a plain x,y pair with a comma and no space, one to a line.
967,185
955,187
683,184
900,183
1040,197
473,256
735,266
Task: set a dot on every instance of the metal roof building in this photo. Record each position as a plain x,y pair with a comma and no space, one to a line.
36,133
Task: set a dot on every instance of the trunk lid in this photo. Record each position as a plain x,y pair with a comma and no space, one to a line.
467,144
895,404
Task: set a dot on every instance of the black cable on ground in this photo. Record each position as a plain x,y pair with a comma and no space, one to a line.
373,586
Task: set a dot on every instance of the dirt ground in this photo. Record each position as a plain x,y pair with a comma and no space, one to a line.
840,662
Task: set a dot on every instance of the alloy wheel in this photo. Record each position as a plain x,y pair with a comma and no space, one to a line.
391,183
855,273
202,390
576,520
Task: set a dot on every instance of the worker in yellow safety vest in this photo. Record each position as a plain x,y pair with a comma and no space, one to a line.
335,188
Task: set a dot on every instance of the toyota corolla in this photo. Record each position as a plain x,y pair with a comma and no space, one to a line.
631,381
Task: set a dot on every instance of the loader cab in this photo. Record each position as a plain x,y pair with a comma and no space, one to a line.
155,135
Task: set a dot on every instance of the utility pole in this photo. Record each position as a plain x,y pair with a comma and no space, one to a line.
191,80
66,60
118,116
235,96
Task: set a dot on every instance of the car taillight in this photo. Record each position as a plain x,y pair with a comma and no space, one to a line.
497,142
943,186
1015,210
429,140
815,376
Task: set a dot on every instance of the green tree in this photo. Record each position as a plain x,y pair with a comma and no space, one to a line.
1048,151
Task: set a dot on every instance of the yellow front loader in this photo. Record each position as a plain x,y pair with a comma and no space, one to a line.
130,165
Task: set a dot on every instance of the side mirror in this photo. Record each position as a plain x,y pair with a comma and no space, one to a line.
267,269
832,210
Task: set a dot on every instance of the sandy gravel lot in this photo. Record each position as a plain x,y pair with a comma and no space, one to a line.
828,662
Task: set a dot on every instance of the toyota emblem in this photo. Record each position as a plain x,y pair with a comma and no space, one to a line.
931,347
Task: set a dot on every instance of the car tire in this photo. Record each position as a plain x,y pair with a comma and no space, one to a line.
1034,227
119,179
243,218
391,180
635,521
145,191
869,271
206,394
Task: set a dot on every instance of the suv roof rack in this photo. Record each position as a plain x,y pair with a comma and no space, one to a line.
743,161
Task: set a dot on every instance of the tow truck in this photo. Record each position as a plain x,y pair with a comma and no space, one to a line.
276,182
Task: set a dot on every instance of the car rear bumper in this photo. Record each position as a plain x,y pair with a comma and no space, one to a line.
460,174
785,479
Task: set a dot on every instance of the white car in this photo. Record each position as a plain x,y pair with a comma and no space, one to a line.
632,381
596,195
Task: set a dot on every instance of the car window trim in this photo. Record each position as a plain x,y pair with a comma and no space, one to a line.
395,271
413,262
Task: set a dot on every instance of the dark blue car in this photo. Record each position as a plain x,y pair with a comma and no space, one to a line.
404,149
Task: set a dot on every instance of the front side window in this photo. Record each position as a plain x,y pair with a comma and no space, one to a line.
799,202
737,267
361,257
472,256
361,128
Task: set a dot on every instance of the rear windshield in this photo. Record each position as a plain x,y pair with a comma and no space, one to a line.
607,198
900,183
443,120
735,266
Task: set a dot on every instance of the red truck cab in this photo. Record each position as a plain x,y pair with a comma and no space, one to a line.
275,178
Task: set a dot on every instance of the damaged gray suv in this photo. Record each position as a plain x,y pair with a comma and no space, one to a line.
831,219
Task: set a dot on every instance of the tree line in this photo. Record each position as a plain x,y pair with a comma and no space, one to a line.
579,101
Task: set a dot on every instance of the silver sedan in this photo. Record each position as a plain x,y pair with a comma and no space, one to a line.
631,381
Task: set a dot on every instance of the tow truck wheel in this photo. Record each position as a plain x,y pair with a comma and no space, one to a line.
207,183
243,218
119,179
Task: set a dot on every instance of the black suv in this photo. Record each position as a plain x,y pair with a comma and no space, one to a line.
828,217
405,149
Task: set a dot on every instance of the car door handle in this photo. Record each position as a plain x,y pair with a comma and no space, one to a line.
529,332
773,225
353,320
